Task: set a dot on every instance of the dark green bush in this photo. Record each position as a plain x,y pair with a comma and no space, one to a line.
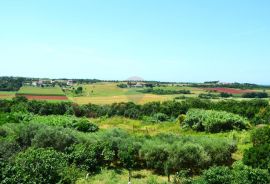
35,166
218,175
255,95
57,138
260,136
258,156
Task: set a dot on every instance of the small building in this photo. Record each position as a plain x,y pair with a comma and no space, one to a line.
69,82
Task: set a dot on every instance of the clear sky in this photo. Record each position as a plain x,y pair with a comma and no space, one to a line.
167,40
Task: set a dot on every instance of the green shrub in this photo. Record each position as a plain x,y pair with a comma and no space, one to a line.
218,175
57,138
35,166
260,136
243,174
255,95
86,156
213,121
258,156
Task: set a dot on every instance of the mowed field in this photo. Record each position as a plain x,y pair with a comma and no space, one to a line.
52,91
42,93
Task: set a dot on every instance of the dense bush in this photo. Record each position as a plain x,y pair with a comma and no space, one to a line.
35,166
239,174
213,121
225,95
256,110
260,136
86,156
167,154
255,95
258,156
217,175
39,135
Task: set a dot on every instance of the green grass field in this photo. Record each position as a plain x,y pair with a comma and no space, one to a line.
48,91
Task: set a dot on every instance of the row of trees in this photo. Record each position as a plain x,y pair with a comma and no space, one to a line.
164,91
257,110
11,83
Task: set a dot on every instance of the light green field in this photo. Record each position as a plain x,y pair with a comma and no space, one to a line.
108,93
50,91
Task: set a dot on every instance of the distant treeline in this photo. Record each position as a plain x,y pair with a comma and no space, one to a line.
11,83
231,85
164,92
257,110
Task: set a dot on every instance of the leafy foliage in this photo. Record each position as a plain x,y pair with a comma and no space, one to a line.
213,121
35,166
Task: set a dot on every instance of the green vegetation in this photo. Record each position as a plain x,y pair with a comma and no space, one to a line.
42,142
164,92
255,95
213,121
11,83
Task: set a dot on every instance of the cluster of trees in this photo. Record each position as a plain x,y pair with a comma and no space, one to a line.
11,83
38,153
78,91
122,85
164,91
257,110
213,121
214,96
255,95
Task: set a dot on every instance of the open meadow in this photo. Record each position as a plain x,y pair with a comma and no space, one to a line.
108,93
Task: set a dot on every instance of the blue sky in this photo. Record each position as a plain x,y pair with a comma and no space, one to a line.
166,40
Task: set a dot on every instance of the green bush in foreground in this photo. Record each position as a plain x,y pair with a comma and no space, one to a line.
240,174
213,121
35,166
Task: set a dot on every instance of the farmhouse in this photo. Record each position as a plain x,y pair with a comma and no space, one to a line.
136,84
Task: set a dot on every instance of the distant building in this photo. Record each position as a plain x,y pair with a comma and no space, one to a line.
69,82
136,84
